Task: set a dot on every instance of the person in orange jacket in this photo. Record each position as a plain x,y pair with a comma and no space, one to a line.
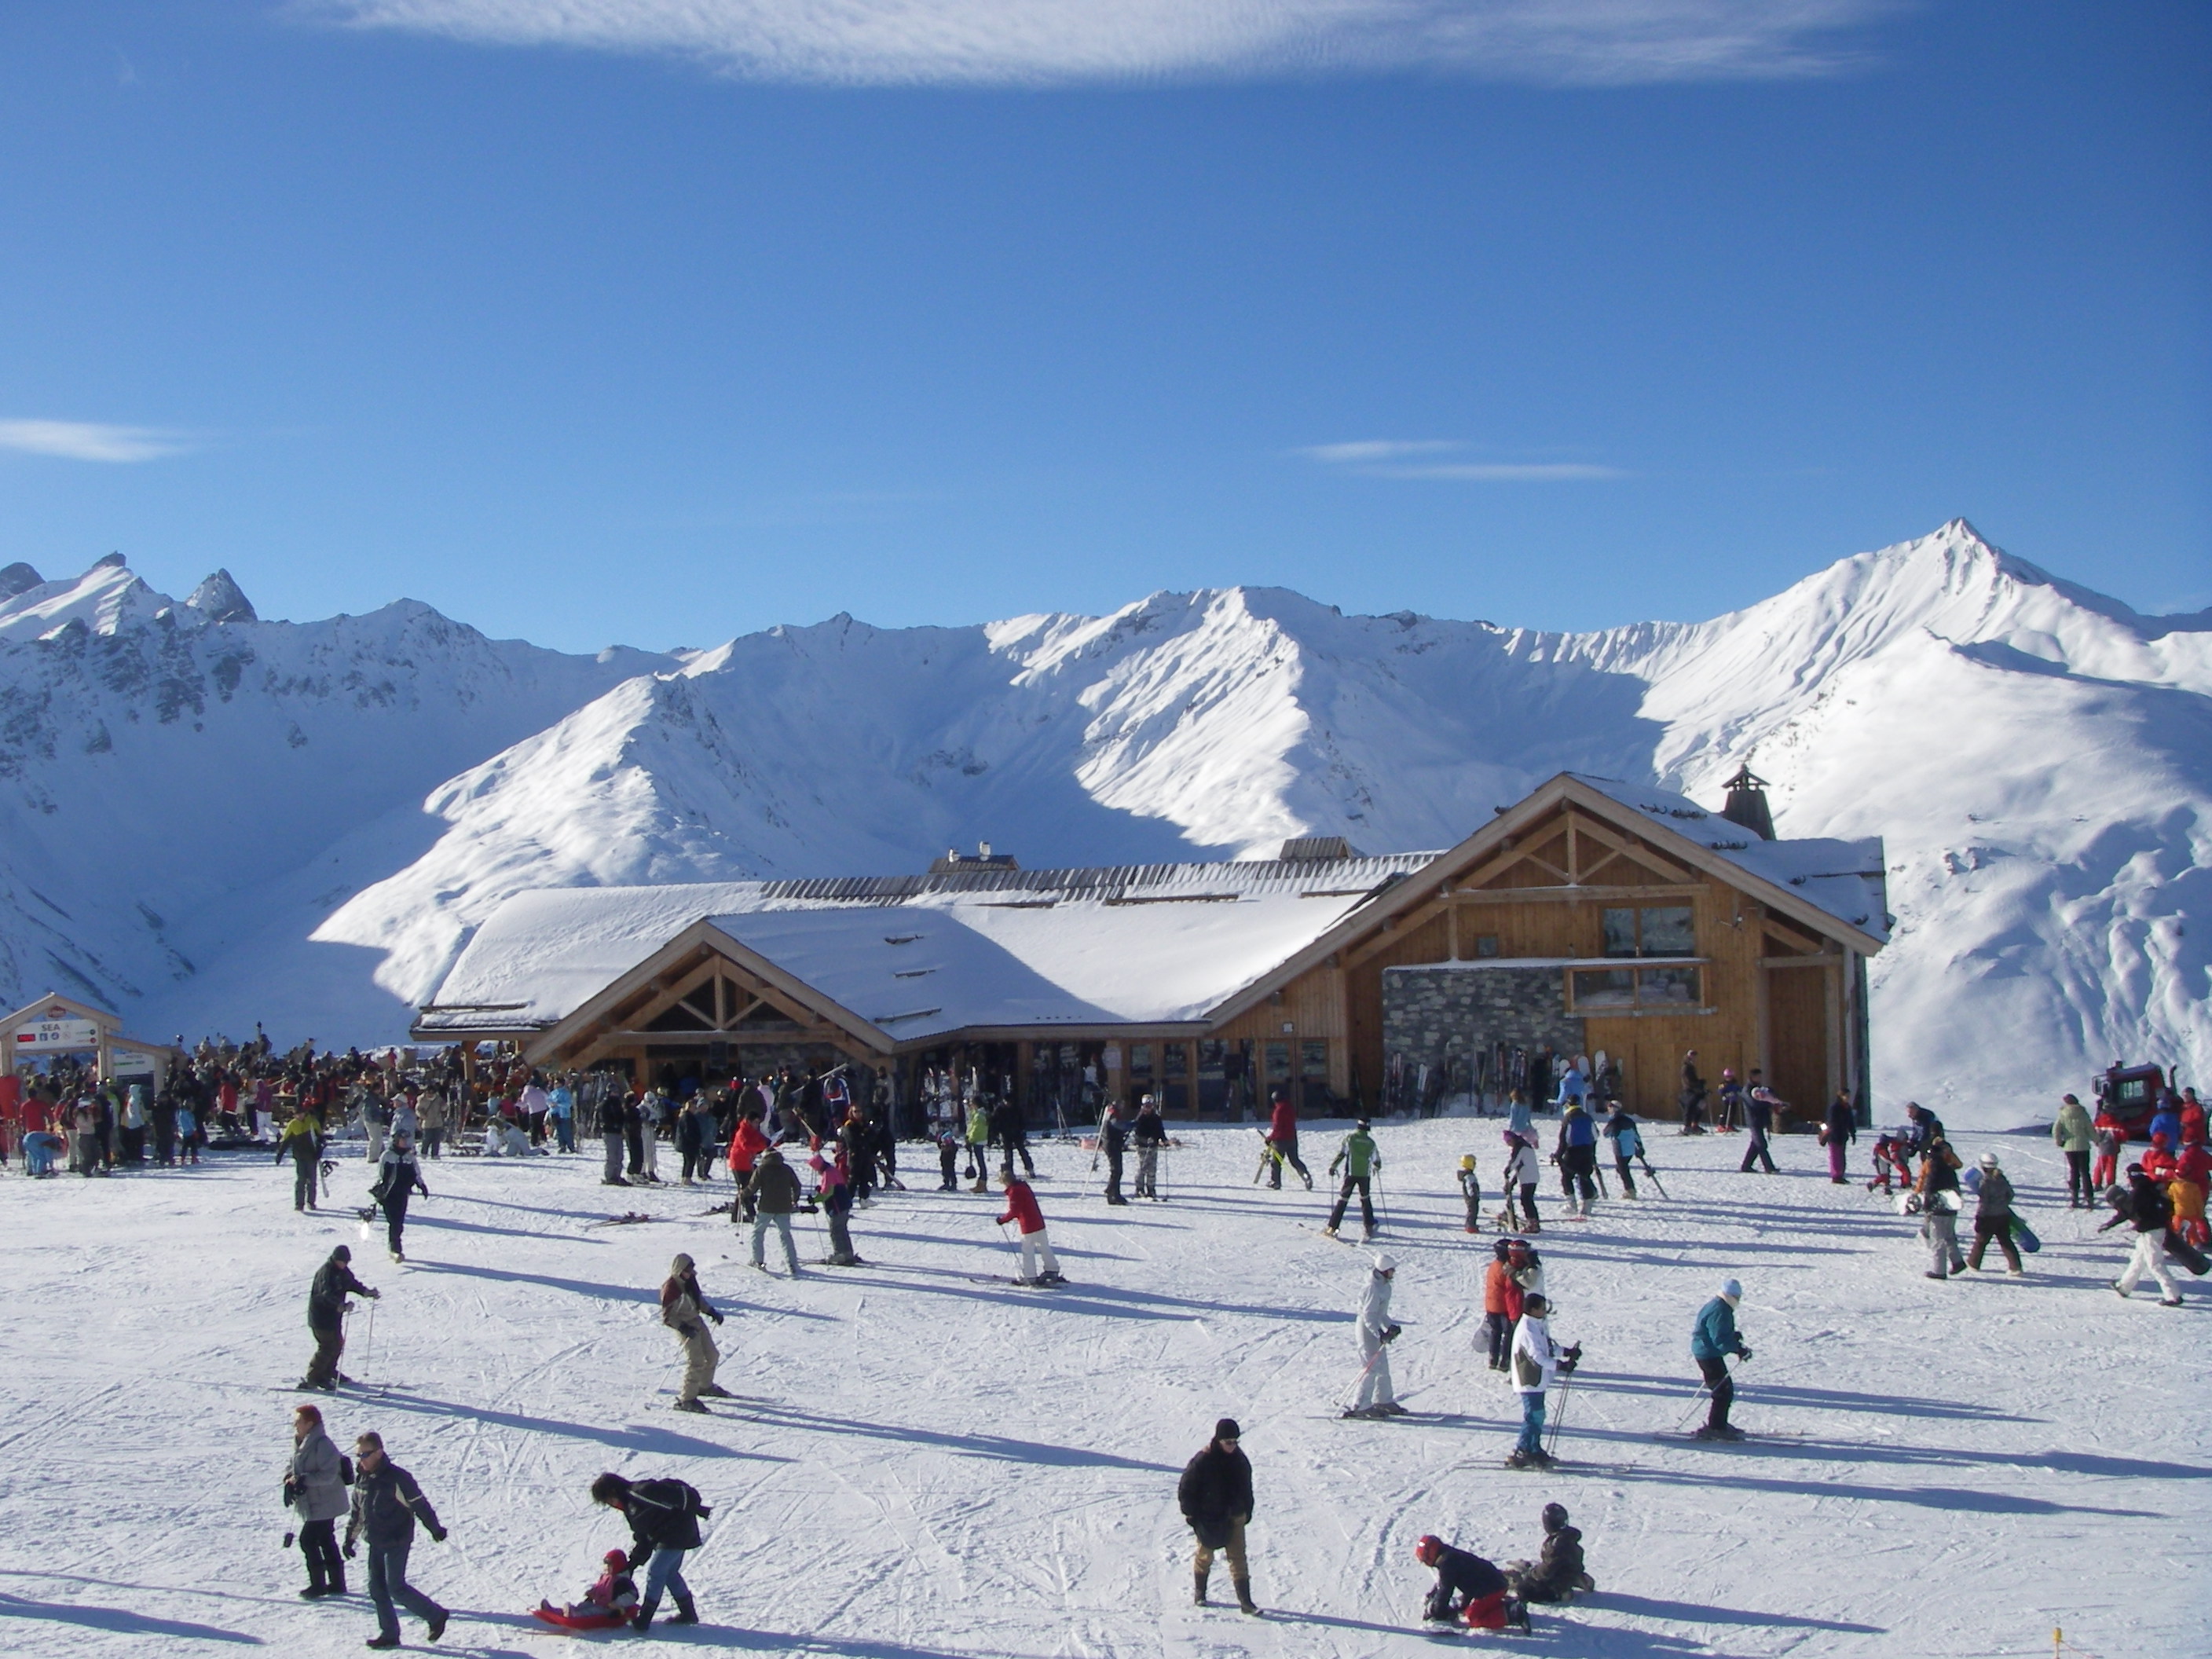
1022,1207
1501,1303
747,1143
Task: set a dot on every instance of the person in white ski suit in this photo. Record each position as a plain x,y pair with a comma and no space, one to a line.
1533,1365
1521,1184
1376,1332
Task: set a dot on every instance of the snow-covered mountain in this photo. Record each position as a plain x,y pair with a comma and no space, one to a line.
212,819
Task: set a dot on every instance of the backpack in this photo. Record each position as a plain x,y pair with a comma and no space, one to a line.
345,1470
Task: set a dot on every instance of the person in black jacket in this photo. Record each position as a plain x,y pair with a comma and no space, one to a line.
1558,1572
385,1502
1216,1496
614,1118
1113,1137
326,1310
663,1519
1469,1590
1013,1135
1149,1134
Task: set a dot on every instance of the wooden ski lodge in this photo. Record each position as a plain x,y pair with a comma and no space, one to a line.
1594,915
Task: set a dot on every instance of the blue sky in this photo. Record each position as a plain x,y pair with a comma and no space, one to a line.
658,320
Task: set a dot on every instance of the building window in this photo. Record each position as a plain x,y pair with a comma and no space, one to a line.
1485,944
1651,930
1141,1060
1277,1062
1600,990
1314,1057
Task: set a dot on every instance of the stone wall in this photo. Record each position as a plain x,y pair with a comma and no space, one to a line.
1431,1013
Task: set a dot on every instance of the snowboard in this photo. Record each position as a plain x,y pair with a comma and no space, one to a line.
2024,1235
2181,1250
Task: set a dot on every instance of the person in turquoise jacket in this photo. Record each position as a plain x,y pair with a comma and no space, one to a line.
1712,1340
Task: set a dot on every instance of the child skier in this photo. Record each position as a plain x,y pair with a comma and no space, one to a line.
1470,1188
1558,1573
610,1602
1469,1588
1520,1174
1022,1207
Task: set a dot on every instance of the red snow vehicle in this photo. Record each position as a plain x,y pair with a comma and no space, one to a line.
2131,1094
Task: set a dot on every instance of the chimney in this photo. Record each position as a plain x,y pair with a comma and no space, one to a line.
1746,803
983,851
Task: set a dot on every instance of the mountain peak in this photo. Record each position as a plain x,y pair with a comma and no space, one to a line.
19,578
219,600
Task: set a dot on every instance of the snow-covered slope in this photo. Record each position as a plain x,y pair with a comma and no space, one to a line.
2036,756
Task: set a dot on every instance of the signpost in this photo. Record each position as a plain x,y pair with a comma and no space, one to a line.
45,1036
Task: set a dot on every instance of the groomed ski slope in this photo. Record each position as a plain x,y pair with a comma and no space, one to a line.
927,1465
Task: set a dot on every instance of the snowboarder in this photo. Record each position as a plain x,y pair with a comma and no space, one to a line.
1937,1189
1712,1339
1838,1131
300,1139
1376,1332
1558,1573
1150,1135
385,1502
1113,1137
315,1485
1469,1590
1536,1361
399,1177
1470,1191
1022,1208
1360,1159
685,1309
663,1518
1501,1303
772,1195
1521,1176
1283,1136
1758,1117
1993,1218
2148,1208
1215,1495
2073,1133
611,1602
326,1310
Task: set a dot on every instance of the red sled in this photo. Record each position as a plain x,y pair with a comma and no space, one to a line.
560,1620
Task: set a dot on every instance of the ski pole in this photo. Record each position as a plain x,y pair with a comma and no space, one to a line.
1559,1417
1381,1204
1362,1381
368,1347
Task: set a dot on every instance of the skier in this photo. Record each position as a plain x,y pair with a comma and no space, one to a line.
1022,1207
2150,1212
1520,1174
1576,1153
1536,1361
1360,1159
1938,1190
1215,1495
1627,1146
685,1309
1993,1218
386,1501
1376,1332
771,1194
314,1485
611,1600
1840,1128
1501,1304
326,1309
1470,1190
305,1147
1558,1573
1712,1339
1283,1136
399,1177
1113,1136
1469,1590
1758,1117
1731,1103
1149,1134
948,1158
663,1518
2073,1134
747,1143
831,1167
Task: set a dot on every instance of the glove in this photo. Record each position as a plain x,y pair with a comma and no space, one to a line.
1743,1353
716,1317
348,1550
291,1491
376,1296
438,1534
1390,1333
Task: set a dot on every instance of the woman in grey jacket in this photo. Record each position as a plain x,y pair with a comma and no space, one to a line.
314,1485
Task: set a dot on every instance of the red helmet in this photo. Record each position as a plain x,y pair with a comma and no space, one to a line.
1430,1548
617,1559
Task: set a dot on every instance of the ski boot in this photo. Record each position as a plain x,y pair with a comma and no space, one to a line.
1244,1602
693,1407
686,1611
1328,1233
1199,1575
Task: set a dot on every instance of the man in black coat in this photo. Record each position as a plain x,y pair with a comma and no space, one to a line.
1012,1134
1216,1496
326,1309
663,1519
1113,1136
386,1501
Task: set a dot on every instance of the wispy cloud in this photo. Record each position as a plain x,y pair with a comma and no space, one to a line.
90,440
1399,458
1048,42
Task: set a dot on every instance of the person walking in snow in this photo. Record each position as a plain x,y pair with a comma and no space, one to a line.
326,1310
1215,1496
1993,1218
1113,1137
399,1177
1692,1097
1521,1178
772,1195
1535,1363
1758,1117
306,1149
1376,1332
685,1310
314,1486
1937,1187
1283,1136
2073,1133
979,1143
1036,1248
663,1518
747,1143
2150,1212
385,1503
1468,1590
1361,1160
614,1129
1576,1153
1628,1141
831,1168
1011,1133
1150,1135
1838,1131
1713,1338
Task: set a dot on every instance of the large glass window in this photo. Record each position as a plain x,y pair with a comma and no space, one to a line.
1277,1062
1604,988
1667,987
1653,929
1620,933
1596,990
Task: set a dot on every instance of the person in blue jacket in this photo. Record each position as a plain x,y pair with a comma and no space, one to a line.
1577,1157
1712,1341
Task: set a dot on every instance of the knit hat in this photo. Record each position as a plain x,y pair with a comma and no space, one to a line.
342,1254
1732,1292
615,1559
1226,1429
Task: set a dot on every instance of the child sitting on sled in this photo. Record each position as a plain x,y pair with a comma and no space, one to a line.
610,1602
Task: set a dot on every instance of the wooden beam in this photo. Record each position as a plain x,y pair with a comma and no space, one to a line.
1820,959
1578,894
1789,936
1633,850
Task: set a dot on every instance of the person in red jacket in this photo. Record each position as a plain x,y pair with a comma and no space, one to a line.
2160,1163
1501,1303
1283,1136
747,1143
1022,1207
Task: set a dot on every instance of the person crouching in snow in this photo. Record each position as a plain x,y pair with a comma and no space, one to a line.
612,1601
1376,1332
685,1309
1469,1590
1022,1207
1558,1573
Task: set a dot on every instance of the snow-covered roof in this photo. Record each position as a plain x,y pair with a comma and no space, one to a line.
1846,878
923,955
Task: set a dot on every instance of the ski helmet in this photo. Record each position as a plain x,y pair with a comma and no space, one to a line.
1732,1291
1386,1264
615,1559
1429,1548
1555,1516
1467,1160
1500,1249
1989,1160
